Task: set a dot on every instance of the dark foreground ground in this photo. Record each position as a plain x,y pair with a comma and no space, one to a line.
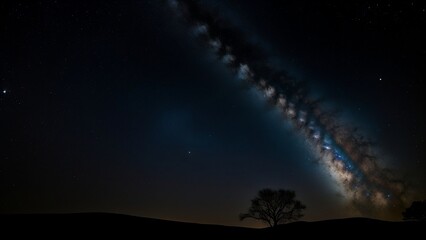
84,225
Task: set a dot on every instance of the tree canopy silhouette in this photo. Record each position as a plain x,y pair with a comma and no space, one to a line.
417,211
274,207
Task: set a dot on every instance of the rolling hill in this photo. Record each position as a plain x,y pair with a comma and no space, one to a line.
104,224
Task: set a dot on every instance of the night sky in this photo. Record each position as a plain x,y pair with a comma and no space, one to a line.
117,106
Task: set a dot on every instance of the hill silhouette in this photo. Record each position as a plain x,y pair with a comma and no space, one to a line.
106,224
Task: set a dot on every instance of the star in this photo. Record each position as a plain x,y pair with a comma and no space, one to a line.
189,152
4,91
380,79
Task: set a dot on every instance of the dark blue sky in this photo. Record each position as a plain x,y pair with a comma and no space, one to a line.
113,106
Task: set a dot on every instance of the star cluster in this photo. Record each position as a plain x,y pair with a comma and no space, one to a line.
346,153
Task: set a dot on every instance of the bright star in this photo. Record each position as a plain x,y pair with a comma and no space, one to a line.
4,91
380,79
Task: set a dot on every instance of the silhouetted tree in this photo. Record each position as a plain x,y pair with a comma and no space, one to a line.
274,207
417,211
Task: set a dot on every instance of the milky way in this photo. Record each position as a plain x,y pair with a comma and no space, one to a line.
346,154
